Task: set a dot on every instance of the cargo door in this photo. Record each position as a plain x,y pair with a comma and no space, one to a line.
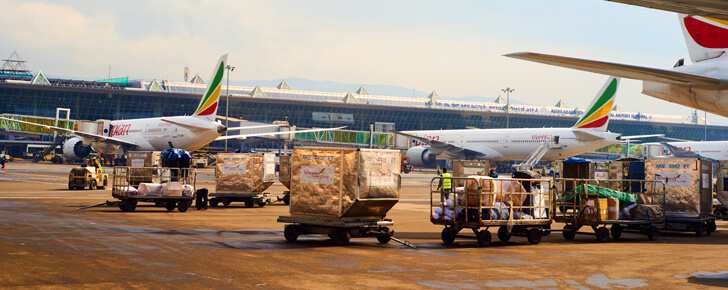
706,187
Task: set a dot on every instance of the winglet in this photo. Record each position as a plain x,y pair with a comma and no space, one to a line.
597,115
210,99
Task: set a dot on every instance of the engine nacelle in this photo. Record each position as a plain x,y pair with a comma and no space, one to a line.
74,149
421,156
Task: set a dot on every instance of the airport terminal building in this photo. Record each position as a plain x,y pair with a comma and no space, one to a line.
123,99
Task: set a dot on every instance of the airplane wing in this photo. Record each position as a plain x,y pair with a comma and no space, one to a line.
709,8
439,147
250,127
681,153
243,136
95,137
641,136
622,70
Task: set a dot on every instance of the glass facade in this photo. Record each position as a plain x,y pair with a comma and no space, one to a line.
305,109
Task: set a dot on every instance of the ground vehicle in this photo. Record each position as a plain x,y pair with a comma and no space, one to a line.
86,176
406,166
164,186
58,159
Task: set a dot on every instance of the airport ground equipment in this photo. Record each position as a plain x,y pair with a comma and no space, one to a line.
689,201
517,207
344,193
87,177
168,187
406,166
243,177
284,176
591,203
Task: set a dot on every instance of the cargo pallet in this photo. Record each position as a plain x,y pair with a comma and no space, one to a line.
249,198
340,231
575,215
133,176
477,199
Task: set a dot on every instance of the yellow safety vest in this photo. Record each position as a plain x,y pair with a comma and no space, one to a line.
446,182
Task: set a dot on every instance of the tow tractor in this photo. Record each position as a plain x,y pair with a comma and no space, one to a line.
86,176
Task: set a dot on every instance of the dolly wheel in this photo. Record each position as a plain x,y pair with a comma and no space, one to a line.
261,204
291,233
503,234
226,202
602,235
183,206
383,239
248,203
718,214
213,202
170,205
534,236
448,236
652,233
341,237
711,227
127,205
484,238
569,232
617,231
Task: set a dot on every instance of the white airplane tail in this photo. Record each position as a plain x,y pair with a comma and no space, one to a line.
210,99
705,37
597,115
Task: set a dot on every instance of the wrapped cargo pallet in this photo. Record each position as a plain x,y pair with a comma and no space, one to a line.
244,172
284,171
688,182
143,159
344,183
465,168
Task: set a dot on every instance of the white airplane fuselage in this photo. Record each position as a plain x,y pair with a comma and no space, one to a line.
717,150
516,144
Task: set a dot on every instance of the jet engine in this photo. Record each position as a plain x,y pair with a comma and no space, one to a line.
421,156
74,149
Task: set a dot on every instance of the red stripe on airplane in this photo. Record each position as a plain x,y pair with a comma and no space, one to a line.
208,111
706,34
596,123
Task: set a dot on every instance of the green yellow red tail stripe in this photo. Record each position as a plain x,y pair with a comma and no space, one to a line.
597,116
208,104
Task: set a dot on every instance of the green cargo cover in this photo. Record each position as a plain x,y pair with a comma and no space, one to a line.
624,198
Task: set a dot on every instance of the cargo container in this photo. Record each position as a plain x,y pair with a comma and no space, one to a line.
243,177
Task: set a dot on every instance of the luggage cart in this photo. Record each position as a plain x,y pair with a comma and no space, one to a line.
249,198
340,231
128,181
518,207
583,205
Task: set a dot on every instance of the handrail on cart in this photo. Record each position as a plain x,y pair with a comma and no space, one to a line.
575,210
462,200
125,176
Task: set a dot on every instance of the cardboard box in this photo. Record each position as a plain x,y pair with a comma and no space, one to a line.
597,209
613,209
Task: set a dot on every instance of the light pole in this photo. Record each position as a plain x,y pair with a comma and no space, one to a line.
227,102
508,92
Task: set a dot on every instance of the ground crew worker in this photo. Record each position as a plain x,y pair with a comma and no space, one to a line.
492,173
2,161
445,183
95,163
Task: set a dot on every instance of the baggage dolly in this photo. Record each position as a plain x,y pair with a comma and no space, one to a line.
128,180
340,231
516,210
583,207
249,198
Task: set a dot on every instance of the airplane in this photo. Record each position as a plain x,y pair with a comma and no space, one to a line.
188,133
708,8
716,150
701,85
589,133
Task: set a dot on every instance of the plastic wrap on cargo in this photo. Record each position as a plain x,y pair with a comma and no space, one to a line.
328,181
150,189
243,172
688,183
284,171
463,168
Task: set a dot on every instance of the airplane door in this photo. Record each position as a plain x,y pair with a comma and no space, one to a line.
506,141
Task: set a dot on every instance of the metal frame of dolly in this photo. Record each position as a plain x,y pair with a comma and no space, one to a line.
575,215
128,203
534,229
340,231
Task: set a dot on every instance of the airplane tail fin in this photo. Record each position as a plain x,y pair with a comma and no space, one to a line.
210,99
705,37
597,115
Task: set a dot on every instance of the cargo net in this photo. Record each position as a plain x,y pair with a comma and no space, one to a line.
592,201
153,182
485,201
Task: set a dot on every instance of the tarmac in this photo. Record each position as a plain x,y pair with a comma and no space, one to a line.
45,242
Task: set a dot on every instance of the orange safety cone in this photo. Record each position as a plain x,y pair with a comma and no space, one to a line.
420,169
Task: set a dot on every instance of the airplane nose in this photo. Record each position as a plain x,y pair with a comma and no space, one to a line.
221,129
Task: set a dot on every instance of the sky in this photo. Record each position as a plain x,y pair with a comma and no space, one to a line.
453,47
